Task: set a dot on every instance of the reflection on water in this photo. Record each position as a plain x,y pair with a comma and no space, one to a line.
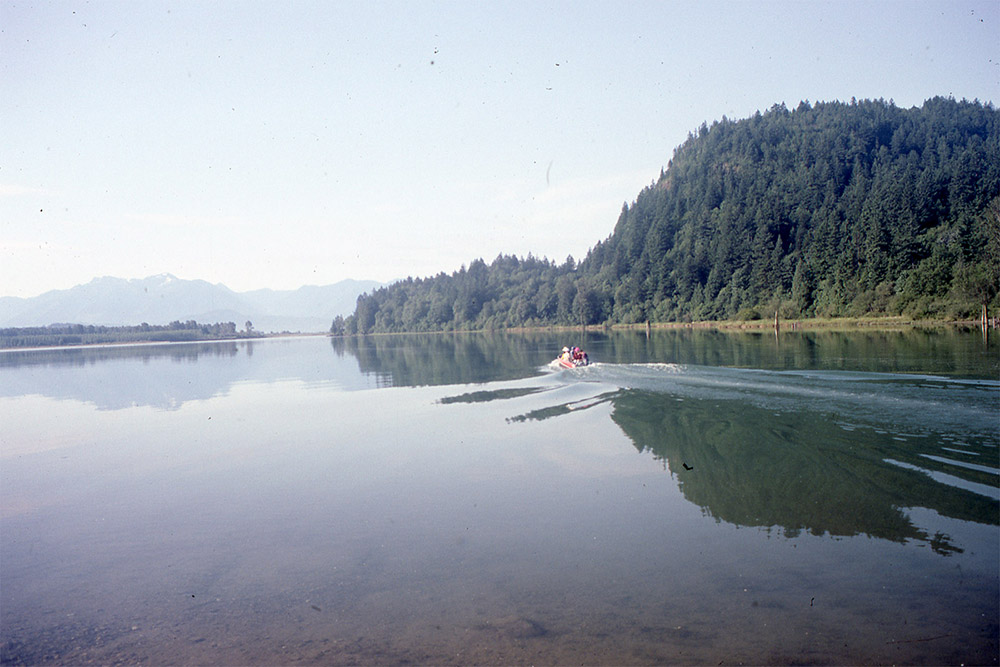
437,359
796,471
692,498
494,395
164,375
830,454
434,359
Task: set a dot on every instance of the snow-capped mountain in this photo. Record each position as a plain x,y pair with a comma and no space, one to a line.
165,298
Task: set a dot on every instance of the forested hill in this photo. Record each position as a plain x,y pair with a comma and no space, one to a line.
829,209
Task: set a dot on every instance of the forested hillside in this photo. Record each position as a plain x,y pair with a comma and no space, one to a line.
830,209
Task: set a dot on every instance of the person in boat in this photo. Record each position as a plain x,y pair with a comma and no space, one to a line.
574,356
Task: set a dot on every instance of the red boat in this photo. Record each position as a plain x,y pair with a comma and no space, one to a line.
572,358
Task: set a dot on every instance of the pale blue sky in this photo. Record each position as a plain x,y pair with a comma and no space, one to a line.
276,144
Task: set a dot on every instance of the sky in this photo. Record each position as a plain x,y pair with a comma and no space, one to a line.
280,144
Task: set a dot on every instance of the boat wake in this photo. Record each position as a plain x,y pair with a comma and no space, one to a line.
925,403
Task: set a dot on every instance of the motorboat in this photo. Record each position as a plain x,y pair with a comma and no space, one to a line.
572,358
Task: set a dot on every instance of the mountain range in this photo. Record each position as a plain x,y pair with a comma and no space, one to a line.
164,298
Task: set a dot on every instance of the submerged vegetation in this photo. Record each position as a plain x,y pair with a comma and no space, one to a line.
827,210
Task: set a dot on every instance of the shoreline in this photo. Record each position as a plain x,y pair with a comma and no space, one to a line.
146,343
895,323
807,324
811,324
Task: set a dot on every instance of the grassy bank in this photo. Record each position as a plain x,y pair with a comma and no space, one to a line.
805,324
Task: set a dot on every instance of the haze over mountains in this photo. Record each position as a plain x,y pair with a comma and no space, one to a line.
164,298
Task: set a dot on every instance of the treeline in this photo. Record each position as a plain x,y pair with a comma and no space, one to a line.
89,334
509,292
831,209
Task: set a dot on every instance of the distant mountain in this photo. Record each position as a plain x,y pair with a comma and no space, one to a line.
165,298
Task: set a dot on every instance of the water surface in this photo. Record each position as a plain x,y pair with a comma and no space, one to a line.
694,497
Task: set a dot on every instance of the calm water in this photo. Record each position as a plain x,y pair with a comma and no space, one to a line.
692,498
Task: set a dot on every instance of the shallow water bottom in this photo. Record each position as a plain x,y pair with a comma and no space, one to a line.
477,633
460,605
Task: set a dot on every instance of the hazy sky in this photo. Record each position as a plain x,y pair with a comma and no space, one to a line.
276,144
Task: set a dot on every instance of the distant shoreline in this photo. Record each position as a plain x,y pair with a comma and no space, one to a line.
148,343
